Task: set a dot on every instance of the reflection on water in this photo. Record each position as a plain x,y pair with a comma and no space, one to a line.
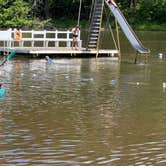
83,112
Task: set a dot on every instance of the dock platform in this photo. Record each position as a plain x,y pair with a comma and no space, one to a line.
53,43
62,51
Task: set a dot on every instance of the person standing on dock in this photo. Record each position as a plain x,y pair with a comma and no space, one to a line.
75,31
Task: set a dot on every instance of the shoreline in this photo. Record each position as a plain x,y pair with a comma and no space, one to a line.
84,24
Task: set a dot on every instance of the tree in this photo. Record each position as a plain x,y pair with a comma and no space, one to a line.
133,3
64,8
152,11
18,13
14,14
40,9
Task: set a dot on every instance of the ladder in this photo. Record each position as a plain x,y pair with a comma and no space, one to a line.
95,25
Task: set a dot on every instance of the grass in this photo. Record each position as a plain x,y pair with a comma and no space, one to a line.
151,27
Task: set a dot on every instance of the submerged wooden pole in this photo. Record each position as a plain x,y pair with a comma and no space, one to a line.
135,61
98,42
117,34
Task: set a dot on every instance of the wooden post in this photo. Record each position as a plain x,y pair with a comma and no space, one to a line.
135,61
98,42
146,58
117,34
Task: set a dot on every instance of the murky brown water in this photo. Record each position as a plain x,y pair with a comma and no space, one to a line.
77,112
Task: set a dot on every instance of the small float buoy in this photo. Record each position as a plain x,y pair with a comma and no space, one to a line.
160,55
164,85
137,83
2,90
113,82
66,77
34,75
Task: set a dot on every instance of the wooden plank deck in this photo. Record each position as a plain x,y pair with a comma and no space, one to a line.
61,51
53,43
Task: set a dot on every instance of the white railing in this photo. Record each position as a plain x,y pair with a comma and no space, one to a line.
38,39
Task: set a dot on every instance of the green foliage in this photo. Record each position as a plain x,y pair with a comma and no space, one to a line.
151,27
18,13
153,11
145,12
63,9
14,14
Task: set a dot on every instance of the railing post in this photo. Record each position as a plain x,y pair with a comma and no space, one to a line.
56,37
32,37
80,42
68,39
9,42
44,42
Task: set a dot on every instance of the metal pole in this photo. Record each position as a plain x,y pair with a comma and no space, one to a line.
90,15
79,13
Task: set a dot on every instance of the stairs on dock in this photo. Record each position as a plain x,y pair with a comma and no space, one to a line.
95,25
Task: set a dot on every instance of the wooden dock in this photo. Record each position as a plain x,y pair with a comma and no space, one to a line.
53,43
62,51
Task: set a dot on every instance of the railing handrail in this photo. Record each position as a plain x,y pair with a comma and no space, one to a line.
40,32
43,35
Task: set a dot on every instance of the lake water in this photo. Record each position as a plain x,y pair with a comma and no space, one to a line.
77,112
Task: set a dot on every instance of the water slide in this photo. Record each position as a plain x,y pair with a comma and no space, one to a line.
129,33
